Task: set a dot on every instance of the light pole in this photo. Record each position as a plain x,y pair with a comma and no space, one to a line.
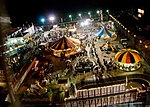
43,20
70,16
97,11
80,15
89,13
146,49
101,15
140,45
107,11
52,18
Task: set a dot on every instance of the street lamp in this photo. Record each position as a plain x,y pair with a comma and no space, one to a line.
70,16
52,18
89,13
146,48
97,12
42,20
107,11
79,15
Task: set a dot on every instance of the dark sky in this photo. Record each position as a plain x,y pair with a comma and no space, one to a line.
21,10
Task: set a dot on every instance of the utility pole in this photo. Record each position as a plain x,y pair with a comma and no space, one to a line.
101,15
4,66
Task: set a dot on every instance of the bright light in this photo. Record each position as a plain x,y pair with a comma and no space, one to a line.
82,23
146,46
107,11
139,15
97,12
70,16
141,11
42,20
85,23
52,18
140,41
79,14
89,13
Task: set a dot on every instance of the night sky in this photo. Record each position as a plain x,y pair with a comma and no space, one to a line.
30,10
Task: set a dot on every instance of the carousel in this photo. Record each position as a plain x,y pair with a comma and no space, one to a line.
128,59
65,47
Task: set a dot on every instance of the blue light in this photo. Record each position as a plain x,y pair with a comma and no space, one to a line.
42,20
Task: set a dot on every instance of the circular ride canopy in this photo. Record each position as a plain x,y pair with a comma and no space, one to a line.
65,45
128,59
106,32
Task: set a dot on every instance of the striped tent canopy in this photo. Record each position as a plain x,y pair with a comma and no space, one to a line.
65,43
128,56
65,46
105,33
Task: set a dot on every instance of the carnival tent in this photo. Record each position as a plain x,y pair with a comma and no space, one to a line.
128,59
105,33
65,45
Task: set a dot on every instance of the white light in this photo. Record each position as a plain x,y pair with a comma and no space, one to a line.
139,15
86,23
82,23
89,13
51,18
97,11
141,11
79,14
140,41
